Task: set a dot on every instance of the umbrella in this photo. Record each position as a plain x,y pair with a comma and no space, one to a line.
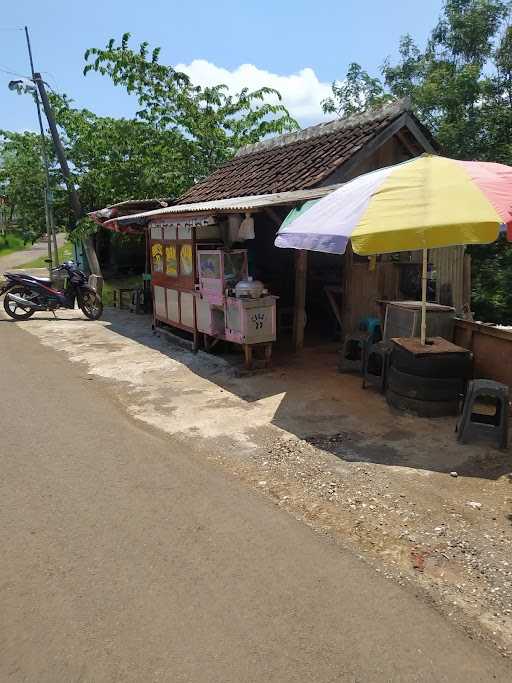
426,202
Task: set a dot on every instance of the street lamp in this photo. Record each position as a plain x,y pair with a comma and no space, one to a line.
23,85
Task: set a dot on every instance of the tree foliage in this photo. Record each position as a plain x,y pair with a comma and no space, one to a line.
23,183
356,93
117,159
209,123
461,84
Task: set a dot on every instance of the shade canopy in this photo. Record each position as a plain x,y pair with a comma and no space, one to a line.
423,203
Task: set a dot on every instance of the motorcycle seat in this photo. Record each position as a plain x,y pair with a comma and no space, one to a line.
42,280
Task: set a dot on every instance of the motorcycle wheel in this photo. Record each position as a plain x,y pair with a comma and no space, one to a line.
90,304
13,309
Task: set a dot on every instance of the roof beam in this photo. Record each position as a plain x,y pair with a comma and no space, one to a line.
405,120
419,135
406,144
274,216
369,149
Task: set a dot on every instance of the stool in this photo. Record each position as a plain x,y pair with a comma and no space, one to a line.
138,301
118,294
376,363
373,327
352,353
476,424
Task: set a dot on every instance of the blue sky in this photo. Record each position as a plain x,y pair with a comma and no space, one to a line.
297,46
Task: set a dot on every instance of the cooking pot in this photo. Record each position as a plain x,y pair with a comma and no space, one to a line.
249,289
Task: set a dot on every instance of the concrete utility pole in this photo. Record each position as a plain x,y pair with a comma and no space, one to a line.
61,155
48,210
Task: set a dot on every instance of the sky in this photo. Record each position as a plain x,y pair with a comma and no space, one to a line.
296,46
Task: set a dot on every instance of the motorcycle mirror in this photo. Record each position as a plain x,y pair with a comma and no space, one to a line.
47,260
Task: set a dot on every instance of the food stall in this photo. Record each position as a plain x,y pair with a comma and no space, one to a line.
202,286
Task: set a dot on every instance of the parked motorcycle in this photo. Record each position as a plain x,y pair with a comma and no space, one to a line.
26,294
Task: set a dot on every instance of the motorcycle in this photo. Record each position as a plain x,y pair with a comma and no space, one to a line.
26,294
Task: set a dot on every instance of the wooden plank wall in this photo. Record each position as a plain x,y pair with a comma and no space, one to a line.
448,263
363,287
492,349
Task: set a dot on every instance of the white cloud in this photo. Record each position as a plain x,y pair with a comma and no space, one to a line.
302,92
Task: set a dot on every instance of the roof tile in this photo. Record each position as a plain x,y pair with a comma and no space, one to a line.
294,161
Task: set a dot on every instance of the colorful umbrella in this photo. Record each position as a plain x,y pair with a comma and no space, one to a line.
423,203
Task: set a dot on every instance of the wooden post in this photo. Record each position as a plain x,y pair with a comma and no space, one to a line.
424,276
466,279
346,302
299,313
248,356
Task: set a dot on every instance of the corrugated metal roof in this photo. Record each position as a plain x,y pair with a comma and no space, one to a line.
231,205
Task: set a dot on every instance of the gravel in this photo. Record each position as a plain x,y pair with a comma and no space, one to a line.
417,527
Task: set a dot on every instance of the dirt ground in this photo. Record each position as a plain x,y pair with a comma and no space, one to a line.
398,490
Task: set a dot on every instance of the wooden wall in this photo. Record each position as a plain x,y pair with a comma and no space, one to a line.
363,286
492,349
449,264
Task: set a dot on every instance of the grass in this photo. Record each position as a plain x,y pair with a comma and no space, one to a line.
65,254
12,243
110,285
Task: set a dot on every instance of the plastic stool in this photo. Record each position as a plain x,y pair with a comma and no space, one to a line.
373,327
352,353
376,363
473,424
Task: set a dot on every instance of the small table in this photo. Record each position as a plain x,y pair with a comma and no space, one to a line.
433,347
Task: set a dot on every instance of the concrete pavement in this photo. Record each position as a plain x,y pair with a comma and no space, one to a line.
126,556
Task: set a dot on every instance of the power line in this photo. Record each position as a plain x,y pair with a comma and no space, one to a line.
9,71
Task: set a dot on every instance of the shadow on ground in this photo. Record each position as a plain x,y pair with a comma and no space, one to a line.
312,402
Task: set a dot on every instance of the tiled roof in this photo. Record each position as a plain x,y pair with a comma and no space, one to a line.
294,161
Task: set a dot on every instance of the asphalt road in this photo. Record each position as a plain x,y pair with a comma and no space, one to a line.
125,557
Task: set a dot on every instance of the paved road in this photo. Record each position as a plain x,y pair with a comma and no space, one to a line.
127,558
17,258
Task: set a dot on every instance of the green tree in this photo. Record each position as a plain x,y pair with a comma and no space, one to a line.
356,93
212,124
492,281
117,159
23,183
460,86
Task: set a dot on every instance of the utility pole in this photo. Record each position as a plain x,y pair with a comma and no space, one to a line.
61,155
50,224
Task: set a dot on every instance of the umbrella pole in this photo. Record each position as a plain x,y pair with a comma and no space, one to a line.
424,297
